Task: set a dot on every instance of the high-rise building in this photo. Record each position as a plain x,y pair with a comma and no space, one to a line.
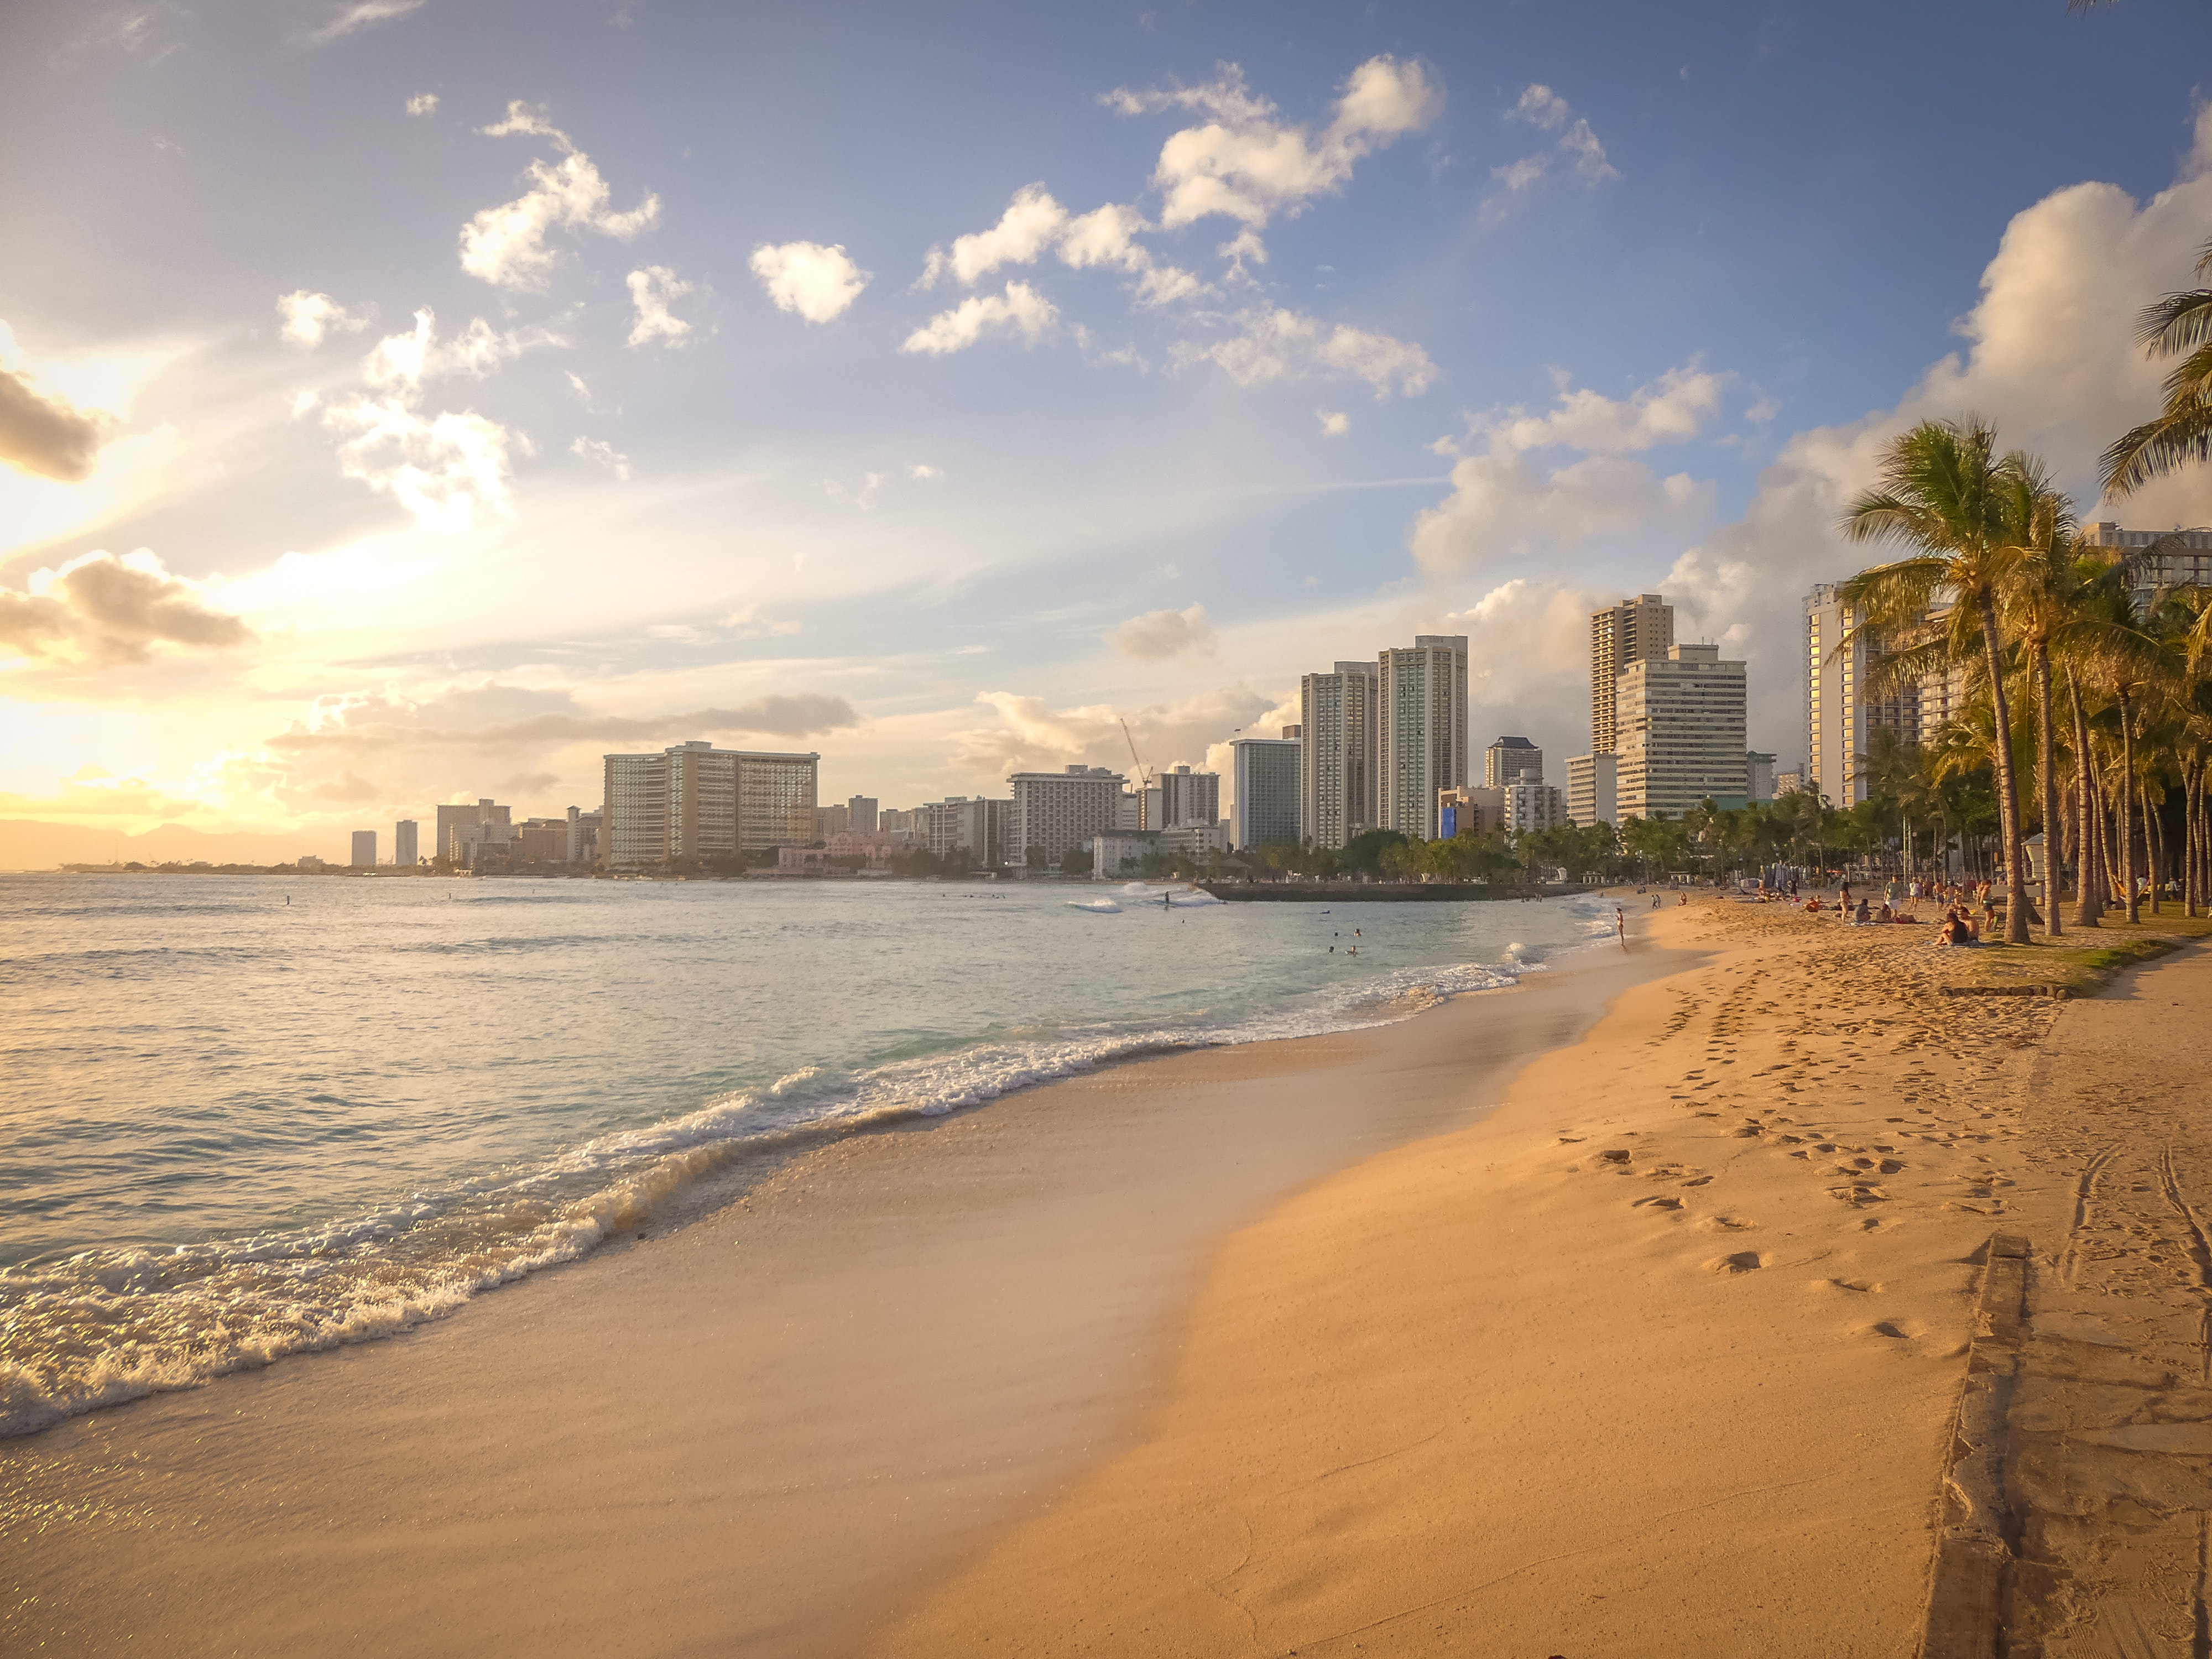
2186,559
1056,812
403,844
1533,806
1264,777
1842,709
1593,790
1181,797
1789,783
1511,760
1760,770
1421,731
1634,630
1681,726
452,818
364,849
542,841
696,801
831,820
861,815
1336,760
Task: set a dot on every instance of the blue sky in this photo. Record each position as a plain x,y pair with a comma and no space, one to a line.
1536,304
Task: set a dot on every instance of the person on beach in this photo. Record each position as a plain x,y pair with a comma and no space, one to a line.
1859,915
1956,929
1621,925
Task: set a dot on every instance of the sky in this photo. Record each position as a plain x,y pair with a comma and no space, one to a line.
411,400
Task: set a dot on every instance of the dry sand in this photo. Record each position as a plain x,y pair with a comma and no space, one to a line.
762,1432
1662,1357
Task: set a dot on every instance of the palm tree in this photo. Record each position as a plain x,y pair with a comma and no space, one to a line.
2180,325
1943,491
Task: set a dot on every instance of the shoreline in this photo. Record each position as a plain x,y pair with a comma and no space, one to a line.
965,1310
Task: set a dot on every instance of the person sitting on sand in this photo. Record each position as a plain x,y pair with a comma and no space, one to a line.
1956,929
1884,914
1860,915
1813,905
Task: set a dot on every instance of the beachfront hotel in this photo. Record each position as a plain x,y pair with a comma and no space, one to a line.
1841,713
403,842
1264,778
1054,813
1593,790
696,801
1634,630
1681,719
1421,731
1337,754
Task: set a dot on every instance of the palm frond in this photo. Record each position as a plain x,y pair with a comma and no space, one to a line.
2181,435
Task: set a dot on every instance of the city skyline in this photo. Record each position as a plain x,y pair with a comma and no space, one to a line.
390,557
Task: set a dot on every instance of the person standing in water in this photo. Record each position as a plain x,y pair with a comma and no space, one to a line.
1621,925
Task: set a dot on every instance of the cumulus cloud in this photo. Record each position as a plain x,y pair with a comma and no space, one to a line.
1248,165
1575,152
108,610
401,362
423,103
506,245
1279,344
363,14
1334,423
599,453
41,432
1668,411
651,290
811,281
1502,504
2049,355
446,469
1159,634
310,319
1034,224
1021,312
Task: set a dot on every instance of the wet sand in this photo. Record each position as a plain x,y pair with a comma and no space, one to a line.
772,1429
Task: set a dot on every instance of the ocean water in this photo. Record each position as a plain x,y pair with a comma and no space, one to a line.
233,1127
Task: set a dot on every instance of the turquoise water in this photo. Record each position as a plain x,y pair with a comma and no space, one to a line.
233,1127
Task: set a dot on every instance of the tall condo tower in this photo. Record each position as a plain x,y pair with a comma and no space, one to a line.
403,849
1635,630
694,800
1510,761
1421,731
1682,733
1336,755
1842,711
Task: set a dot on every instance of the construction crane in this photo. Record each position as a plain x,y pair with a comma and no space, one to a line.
1144,772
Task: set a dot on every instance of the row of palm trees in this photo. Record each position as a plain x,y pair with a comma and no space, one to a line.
2001,585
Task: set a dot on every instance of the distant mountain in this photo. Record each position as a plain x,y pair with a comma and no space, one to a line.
27,844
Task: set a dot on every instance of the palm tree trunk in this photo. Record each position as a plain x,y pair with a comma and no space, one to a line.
2127,804
2047,764
2192,806
2007,783
2153,847
2089,901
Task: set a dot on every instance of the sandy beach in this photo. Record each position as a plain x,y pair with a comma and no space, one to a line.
1508,1330
769,1425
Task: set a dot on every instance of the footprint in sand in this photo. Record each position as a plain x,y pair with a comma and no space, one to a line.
1742,1262
1865,1286
1729,1224
1657,1203
1897,1330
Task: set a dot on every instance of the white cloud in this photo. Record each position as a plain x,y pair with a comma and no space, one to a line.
1334,423
1034,225
446,469
1575,151
42,433
364,14
816,283
403,362
506,245
651,289
1159,634
309,318
922,472
599,453
576,384
1245,164
1280,344
423,103
1020,311
1501,505
1668,411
